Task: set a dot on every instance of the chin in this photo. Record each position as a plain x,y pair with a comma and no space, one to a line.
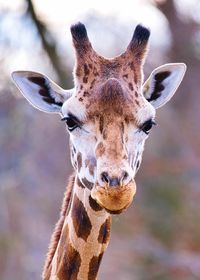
114,199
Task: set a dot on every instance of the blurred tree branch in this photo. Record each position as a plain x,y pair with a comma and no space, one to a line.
49,46
183,32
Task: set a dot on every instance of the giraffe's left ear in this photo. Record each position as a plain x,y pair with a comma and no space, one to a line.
163,83
41,91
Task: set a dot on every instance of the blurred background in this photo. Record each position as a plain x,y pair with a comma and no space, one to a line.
158,237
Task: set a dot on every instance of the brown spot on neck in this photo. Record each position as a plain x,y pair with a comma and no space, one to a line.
68,266
104,232
94,267
81,221
94,205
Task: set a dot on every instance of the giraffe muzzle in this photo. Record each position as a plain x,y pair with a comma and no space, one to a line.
116,199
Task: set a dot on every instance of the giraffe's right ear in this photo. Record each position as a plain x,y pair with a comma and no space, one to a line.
163,83
40,91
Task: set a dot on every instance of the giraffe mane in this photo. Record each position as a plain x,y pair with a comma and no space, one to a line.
58,228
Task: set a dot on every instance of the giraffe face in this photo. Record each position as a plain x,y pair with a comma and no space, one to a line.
108,128
109,113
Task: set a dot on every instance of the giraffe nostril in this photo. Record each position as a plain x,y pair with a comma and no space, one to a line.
111,181
105,177
114,181
124,175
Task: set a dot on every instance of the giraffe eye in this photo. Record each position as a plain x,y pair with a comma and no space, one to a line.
146,127
72,122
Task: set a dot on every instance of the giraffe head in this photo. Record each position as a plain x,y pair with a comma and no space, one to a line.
109,113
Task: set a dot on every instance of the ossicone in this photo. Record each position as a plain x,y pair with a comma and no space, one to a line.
140,35
81,41
79,32
139,42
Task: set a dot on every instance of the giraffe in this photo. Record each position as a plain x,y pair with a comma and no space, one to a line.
108,114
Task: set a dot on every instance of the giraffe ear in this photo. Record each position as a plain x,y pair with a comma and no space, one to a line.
40,91
163,83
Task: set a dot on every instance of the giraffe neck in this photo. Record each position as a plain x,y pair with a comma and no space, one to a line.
83,238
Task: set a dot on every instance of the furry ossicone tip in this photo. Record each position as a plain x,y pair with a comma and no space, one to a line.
79,31
141,35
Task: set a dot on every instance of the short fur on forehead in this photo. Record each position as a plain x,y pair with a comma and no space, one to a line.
111,93
111,99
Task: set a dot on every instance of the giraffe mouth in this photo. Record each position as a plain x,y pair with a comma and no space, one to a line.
114,200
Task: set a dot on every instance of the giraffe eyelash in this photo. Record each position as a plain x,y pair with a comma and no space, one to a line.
72,122
146,127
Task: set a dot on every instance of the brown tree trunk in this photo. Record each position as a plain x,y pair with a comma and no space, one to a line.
49,46
182,50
